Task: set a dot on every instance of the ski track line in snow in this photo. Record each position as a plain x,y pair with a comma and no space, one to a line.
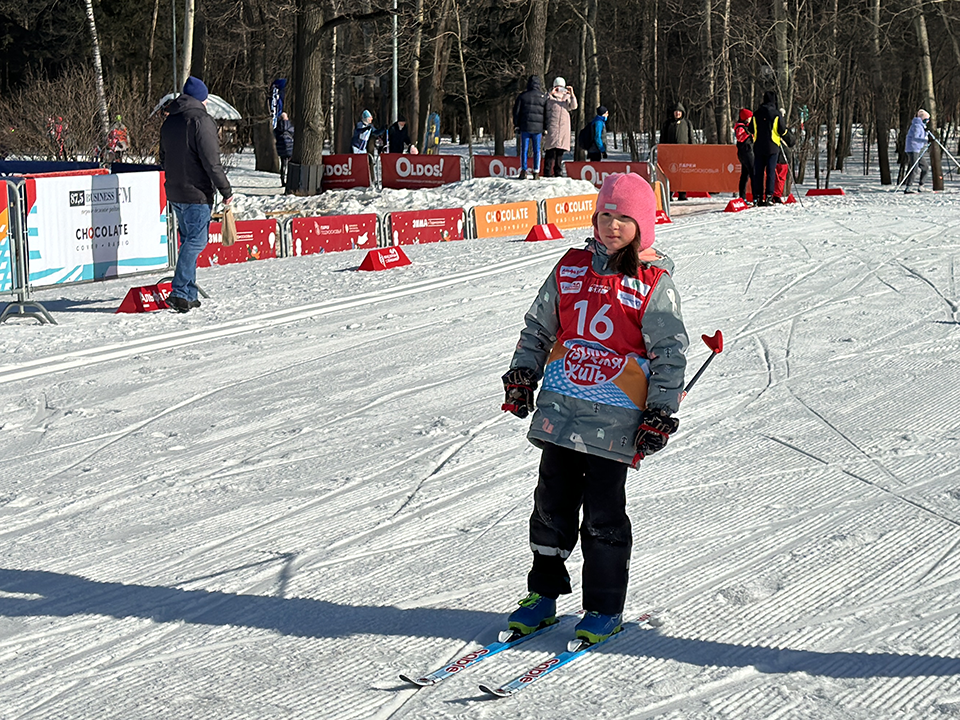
842,469
954,307
183,338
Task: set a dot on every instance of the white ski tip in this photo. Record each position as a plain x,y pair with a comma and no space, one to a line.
419,682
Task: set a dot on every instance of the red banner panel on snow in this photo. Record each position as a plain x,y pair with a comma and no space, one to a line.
700,168
736,205
501,166
342,172
825,191
256,240
332,233
408,172
595,172
416,227
384,258
146,298
547,231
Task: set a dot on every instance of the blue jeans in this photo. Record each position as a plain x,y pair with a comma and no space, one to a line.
525,139
193,221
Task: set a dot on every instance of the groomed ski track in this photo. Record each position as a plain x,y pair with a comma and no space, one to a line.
271,513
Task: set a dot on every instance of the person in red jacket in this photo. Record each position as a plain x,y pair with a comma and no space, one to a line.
744,150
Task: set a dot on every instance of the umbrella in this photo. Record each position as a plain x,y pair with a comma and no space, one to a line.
217,107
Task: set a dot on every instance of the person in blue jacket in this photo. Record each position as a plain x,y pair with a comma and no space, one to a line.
915,145
598,147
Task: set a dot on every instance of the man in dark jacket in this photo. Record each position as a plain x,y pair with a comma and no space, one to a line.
283,134
677,130
190,155
529,112
766,126
398,136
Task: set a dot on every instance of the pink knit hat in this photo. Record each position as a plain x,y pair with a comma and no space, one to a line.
629,194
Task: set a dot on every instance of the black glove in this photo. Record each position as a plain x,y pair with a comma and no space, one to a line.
603,155
656,427
519,384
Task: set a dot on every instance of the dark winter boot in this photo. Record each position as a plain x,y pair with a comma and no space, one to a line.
534,174
535,612
522,175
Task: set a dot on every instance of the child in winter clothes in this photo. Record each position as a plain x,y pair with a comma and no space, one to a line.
915,146
741,131
606,336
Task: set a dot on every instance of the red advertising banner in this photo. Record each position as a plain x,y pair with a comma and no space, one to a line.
342,172
502,166
256,240
406,172
146,298
416,227
332,233
700,168
575,211
595,172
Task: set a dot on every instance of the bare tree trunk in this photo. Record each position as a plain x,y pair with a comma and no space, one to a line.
369,81
414,120
153,37
344,116
535,35
725,125
98,71
591,89
306,166
926,67
585,107
188,17
256,109
441,50
880,107
463,70
709,74
781,30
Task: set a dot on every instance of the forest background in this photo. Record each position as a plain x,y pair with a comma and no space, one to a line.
835,64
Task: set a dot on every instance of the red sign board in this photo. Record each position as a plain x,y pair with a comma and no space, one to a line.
342,172
418,171
501,166
595,172
331,233
146,298
416,227
384,258
256,240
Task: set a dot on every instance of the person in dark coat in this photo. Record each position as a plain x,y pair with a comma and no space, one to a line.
283,134
741,131
677,130
398,137
529,113
766,126
190,156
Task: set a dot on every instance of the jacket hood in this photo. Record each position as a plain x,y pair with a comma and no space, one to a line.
184,103
770,98
678,106
534,83
745,114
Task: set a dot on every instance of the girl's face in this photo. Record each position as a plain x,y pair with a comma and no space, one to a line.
616,231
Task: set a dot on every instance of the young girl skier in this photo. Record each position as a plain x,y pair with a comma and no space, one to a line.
606,336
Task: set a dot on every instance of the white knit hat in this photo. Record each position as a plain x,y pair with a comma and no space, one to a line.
559,82
923,114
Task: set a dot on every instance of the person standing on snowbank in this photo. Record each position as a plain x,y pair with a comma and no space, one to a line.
915,146
283,136
606,336
529,112
190,156
556,138
677,130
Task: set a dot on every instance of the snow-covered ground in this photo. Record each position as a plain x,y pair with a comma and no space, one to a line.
269,507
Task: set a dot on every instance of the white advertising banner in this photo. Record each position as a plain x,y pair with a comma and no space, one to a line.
91,227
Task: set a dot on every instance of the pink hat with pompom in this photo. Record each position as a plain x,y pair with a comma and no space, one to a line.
629,194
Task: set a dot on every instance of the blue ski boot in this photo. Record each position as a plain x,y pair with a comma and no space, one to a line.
535,612
597,627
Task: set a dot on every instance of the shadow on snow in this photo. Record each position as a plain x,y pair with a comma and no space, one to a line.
66,595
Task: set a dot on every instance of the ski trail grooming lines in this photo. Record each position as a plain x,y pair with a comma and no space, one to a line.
575,649
472,658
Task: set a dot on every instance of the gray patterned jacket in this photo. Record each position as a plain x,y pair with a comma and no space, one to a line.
604,430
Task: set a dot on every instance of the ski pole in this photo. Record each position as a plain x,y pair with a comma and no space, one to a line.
715,343
793,174
913,167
